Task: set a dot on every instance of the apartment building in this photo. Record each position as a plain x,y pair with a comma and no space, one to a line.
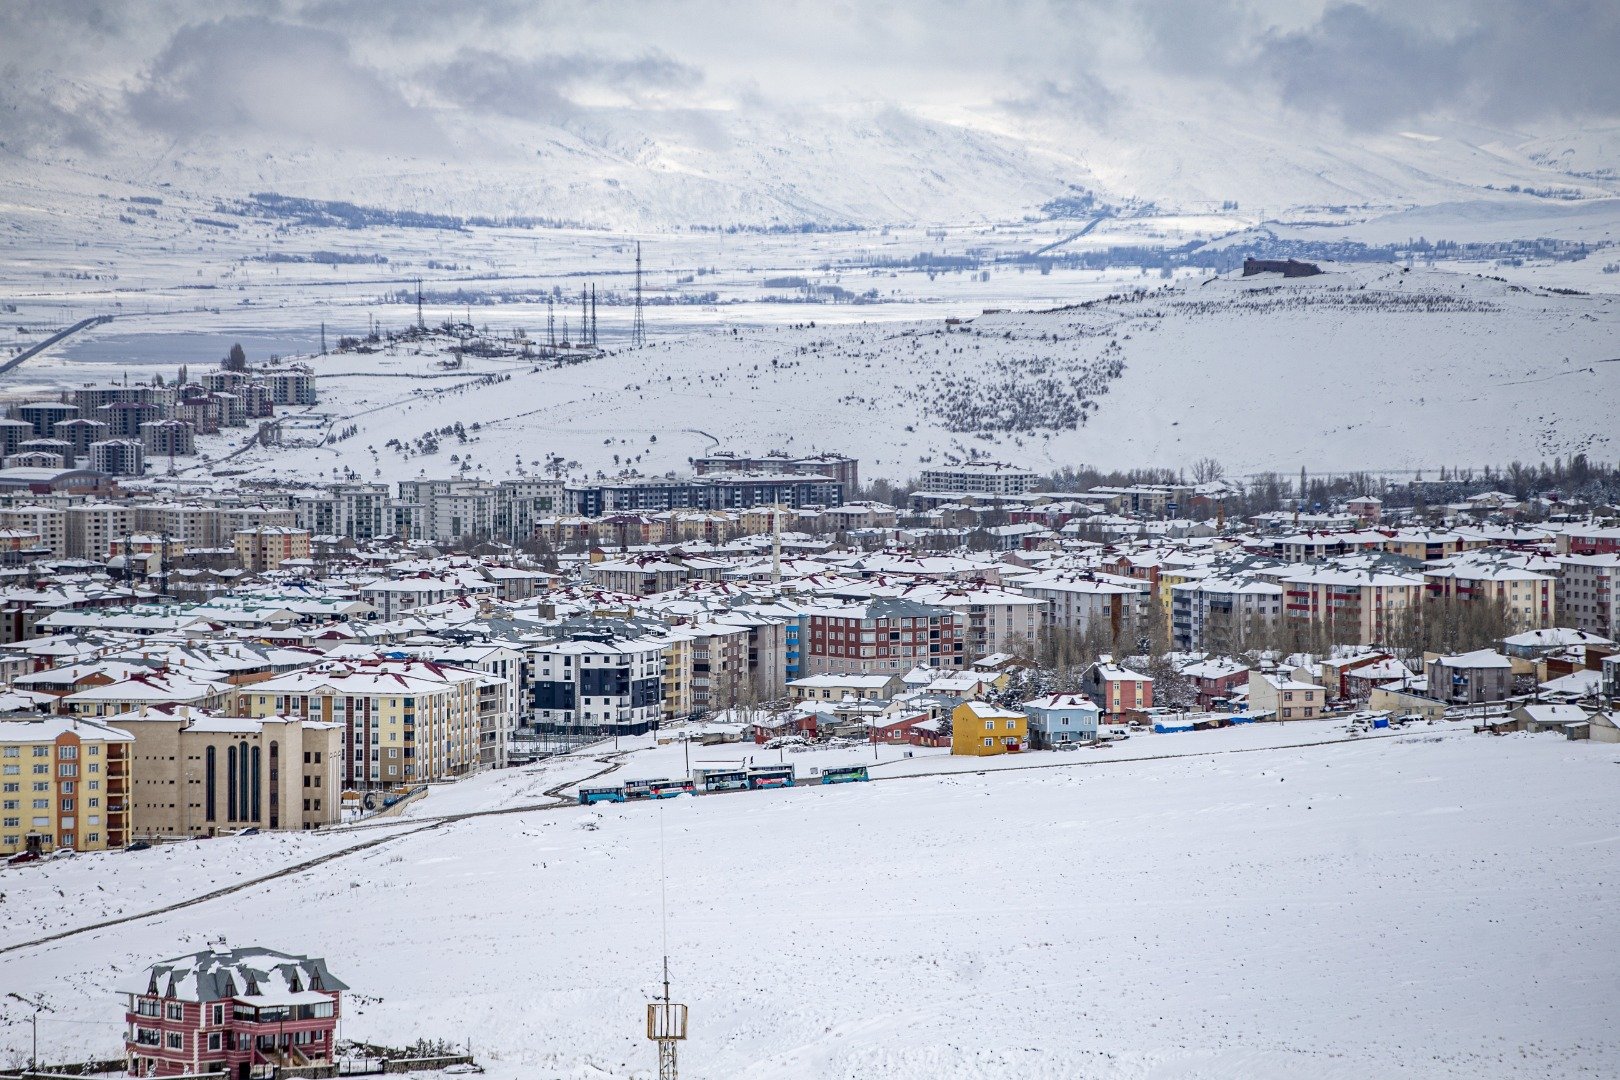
601,681
64,783
266,548
880,635
403,721
1589,593
198,773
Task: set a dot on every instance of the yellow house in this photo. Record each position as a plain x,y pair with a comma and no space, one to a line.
979,729
65,782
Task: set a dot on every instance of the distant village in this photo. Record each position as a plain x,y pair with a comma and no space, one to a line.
177,667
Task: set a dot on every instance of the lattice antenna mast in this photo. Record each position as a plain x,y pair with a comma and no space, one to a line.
666,1019
593,314
638,328
551,324
420,324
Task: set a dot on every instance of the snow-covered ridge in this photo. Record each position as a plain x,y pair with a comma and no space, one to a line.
1362,368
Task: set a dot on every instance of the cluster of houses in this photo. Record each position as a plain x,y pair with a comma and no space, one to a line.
303,679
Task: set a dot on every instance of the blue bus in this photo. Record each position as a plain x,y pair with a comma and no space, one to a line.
642,789
844,774
720,779
769,776
668,789
588,795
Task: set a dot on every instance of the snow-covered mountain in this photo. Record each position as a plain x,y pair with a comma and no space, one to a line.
867,165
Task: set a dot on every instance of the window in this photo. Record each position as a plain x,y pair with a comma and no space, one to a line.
41,751
1287,713
989,725
175,1010
213,1040
219,1018
175,1041
989,741
67,753
1012,725
13,751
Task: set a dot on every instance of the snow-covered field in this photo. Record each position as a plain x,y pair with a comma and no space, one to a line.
1419,906
1363,368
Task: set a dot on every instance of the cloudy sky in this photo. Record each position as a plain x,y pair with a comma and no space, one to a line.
391,73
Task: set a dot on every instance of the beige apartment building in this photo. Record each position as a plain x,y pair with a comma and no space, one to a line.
198,773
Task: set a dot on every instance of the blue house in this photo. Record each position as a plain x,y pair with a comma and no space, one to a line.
1061,718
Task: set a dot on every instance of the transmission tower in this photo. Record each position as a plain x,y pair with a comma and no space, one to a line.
420,325
638,328
551,324
593,314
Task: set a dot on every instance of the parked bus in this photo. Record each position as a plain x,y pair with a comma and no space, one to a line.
668,789
720,779
843,774
588,795
769,776
642,789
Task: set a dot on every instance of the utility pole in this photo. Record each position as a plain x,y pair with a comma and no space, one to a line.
40,1006
638,327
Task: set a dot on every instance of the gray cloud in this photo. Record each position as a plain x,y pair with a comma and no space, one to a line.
261,77
550,88
1499,62
397,74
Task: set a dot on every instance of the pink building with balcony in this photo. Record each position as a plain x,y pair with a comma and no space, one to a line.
239,1012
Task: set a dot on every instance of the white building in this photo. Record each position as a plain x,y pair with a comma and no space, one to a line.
979,478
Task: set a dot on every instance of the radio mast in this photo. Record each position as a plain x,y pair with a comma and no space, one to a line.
638,328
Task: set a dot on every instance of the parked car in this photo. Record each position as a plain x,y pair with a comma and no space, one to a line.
253,831
23,857
139,845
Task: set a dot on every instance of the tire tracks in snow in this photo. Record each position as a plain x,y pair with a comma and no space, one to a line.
558,802
612,763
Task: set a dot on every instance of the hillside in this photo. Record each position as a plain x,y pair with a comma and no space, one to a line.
1367,368
1365,911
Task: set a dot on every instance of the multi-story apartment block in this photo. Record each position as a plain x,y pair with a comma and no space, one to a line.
1353,605
452,509
1589,593
118,457
357,511
92,527
520,504
49,523
266,548
982,478
600,682
1077,601
403,721
1526,596
64,783
845,470
878,636
1215,613
197,773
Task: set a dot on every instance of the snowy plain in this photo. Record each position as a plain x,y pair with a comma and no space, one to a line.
1368,909
1363,368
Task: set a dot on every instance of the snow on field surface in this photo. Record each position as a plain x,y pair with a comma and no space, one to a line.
1363,368
1420,906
